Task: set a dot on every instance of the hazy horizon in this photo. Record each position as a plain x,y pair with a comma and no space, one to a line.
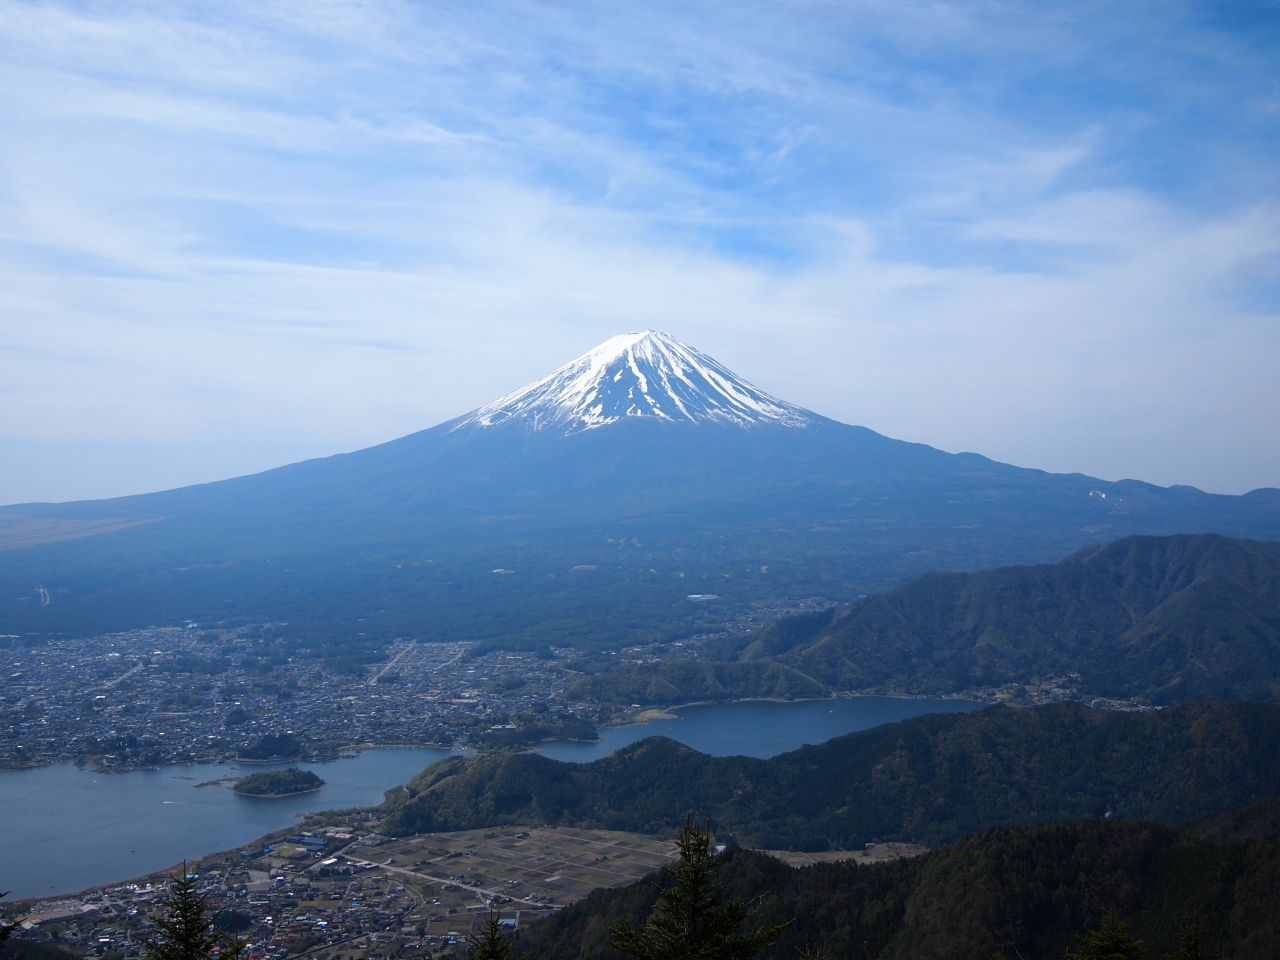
271,466
241,238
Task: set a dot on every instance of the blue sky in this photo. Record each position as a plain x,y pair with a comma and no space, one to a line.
237,235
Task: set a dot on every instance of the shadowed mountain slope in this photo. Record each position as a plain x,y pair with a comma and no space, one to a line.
1028,891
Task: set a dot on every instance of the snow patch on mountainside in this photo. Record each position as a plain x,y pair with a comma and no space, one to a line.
646,374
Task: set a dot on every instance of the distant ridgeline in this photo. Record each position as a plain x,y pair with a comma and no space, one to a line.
278,783
1160,618
930,779
607,493
1027,891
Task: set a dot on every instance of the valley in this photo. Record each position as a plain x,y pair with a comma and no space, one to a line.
212,694
930,779
642,530
569,480
333,886
1198,821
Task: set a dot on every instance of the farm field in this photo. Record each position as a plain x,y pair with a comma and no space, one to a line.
525,872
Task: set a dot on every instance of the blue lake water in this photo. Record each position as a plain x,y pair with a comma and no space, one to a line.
759,728
68,828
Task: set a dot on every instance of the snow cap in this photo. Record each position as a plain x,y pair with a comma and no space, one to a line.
647,374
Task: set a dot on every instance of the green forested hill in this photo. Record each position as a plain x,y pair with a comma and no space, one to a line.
930,779
1253,821
1162,618
1170,618
278,783
1027,891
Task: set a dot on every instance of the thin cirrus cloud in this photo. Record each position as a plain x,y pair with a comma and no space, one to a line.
235,236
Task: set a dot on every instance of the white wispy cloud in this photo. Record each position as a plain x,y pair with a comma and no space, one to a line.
232,236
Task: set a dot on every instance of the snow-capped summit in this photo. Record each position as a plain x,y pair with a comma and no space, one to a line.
648,374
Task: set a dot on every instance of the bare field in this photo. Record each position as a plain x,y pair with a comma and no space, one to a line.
366,897
17,532
525,872
558,863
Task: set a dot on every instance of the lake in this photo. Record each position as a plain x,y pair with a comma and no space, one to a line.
67,828
759,728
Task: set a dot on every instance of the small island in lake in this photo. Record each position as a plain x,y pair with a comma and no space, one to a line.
278,783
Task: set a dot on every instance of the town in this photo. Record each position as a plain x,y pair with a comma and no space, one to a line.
206,695
332,887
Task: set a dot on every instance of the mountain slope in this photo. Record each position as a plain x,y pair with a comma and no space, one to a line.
1156,618
1028,892
1167,618
644,461
930,779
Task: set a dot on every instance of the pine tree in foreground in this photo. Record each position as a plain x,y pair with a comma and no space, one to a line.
1193,940
233,943
491,944
691,920
185,931
1111,941
6,929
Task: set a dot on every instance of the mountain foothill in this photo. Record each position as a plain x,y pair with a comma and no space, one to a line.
1029,891
1042,822
1148,619
930,779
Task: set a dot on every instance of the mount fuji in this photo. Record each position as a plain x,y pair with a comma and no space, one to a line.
634,375
608,492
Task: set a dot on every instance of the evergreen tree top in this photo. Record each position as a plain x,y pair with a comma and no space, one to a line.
692,921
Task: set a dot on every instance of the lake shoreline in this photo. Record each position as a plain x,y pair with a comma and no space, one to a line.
73,828
342,752
276,796
670,713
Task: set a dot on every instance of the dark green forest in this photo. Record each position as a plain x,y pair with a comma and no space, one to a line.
276,783
1026,891
931,779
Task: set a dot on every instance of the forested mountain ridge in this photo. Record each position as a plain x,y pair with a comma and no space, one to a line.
1025,891
1168,618
1253,821
930,779
1156,618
